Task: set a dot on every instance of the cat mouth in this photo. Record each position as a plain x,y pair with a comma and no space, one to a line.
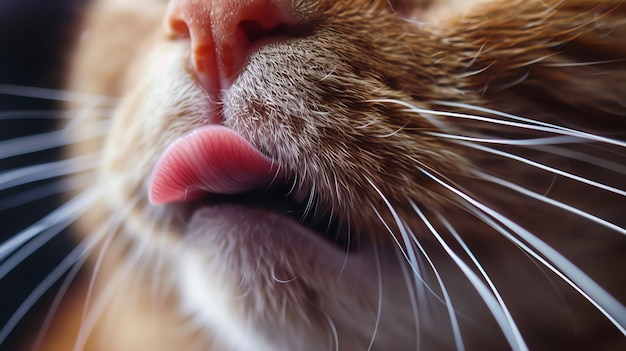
215,166
282,201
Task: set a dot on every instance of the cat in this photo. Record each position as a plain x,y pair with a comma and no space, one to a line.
344,175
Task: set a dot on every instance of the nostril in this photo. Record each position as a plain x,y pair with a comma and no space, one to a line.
178,28
255,31
260,24
223,34
250,36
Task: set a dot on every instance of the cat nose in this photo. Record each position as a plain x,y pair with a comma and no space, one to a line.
224,33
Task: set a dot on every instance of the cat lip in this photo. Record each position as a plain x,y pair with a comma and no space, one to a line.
277,203
213,165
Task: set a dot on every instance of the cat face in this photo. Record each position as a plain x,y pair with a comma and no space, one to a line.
323,173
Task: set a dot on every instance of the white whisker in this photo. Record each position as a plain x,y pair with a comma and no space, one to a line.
535,141
44,141
409,256
407,250
29,174
553,128
310,204
579,64
550,201
347,253
411,289
43,191
33,114
492,300
535,125
379,308
103,230
107,229
132,261
66,264
54,94
544,167
580,156
604,302
333,332
58,298
32,246
69,211
97,309
159,265
456,330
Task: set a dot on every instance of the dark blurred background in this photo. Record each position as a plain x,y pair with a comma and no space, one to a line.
35,38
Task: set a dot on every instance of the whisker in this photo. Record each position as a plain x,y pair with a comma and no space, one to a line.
347,248
58,298
604,302
409,256
593,290
159,266
53,94
66,264
131,262
286,280
580,156
456,330
30,174
492,300
34,114
553,127
535,125
310,204
98,307
42,191
379,275
72,209
550,201
534,141
44,141
411,289
107,229
29,248
407,250
333,331
544,167
579,64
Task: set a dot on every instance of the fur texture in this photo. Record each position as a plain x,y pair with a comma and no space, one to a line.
471,151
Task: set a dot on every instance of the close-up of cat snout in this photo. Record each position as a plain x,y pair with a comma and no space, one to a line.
312,175
223,33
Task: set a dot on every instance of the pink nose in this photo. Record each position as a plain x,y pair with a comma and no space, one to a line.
224,33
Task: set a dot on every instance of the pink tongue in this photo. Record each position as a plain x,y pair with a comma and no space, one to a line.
212,159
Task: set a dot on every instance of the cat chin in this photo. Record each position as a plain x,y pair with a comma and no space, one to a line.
260,281
221,266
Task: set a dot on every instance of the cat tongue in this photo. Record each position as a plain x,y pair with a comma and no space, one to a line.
211,159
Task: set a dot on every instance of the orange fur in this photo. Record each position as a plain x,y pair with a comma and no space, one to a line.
555,61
